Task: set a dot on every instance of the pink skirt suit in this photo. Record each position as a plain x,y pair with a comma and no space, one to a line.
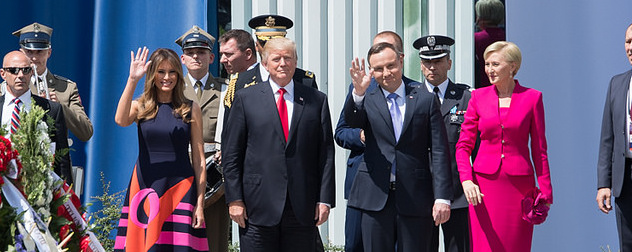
503,168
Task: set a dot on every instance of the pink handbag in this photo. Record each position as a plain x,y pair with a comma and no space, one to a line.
534,207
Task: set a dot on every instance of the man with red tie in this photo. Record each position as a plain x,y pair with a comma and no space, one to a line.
278,158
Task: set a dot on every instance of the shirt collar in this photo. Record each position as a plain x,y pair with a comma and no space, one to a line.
25,98
203,80
400,91
289,88
442,87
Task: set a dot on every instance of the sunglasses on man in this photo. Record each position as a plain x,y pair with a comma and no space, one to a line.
16,70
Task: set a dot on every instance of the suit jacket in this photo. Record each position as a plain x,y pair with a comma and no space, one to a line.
68,96
261,169
612,146
59,135
209,103
349,138
455,101
417,185
253,76
505,140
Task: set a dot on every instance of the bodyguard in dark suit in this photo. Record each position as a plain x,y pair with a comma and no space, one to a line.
434,51
278,158
614,177
401,196
16,71
353,140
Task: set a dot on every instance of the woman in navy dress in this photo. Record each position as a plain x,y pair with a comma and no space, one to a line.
163,209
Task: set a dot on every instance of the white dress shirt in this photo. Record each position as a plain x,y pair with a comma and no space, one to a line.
288,96
442,88
7,108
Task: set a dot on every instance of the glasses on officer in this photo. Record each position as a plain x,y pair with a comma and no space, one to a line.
16,70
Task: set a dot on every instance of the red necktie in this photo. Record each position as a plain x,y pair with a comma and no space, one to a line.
283,111
15,117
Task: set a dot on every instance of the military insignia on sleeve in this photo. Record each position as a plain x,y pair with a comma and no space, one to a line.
250,84
309,74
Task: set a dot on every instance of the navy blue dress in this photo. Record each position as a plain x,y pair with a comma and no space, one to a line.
158,209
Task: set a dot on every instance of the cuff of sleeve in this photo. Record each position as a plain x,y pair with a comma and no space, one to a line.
357,99
328,205
444,201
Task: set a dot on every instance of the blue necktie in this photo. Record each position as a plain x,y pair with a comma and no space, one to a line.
396,117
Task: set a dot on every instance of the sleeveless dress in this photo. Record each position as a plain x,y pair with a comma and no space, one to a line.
158,209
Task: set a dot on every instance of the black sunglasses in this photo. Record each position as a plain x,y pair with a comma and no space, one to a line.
16,70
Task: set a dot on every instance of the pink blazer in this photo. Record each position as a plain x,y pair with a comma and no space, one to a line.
505,143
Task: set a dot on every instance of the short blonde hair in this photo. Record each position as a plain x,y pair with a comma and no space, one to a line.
492,11
508,50
278,44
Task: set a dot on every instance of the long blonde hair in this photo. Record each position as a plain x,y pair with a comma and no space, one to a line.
148,107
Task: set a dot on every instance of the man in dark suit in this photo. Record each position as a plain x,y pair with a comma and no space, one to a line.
401,197
614,176
278,158
434,51
17,71
205,90
353,140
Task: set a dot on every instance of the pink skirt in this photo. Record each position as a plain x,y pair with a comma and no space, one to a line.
496,224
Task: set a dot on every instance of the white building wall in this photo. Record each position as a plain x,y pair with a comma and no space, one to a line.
329,34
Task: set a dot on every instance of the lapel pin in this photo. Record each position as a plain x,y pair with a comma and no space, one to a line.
452,92
410,97
300,98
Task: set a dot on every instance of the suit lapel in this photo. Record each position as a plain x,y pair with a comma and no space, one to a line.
211,90
411,104
620,102
449,99
189,91
299,104
269,106
2,102
377,100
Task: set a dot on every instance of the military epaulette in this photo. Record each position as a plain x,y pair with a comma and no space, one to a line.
61,77
462,86
309,74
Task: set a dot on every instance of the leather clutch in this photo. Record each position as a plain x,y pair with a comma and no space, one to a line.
534,207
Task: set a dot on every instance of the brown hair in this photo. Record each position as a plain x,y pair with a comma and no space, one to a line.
148,107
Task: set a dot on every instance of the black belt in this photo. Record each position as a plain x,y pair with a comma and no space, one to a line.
391,186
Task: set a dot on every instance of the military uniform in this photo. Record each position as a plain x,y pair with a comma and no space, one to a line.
215,208
68,96
456,98
37,37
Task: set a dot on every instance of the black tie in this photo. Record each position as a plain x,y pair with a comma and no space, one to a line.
436,91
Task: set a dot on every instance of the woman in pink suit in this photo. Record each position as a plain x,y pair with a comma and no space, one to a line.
507,115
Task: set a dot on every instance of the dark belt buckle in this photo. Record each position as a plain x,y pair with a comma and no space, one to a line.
392,186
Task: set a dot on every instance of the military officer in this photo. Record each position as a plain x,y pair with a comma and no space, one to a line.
266,27
434,52
35,42
204,89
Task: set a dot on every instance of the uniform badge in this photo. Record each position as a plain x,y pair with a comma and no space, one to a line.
431,41
454,118
270,21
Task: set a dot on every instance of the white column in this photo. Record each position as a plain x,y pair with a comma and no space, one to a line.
463,62
339,55
314,29
364,26
241,12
